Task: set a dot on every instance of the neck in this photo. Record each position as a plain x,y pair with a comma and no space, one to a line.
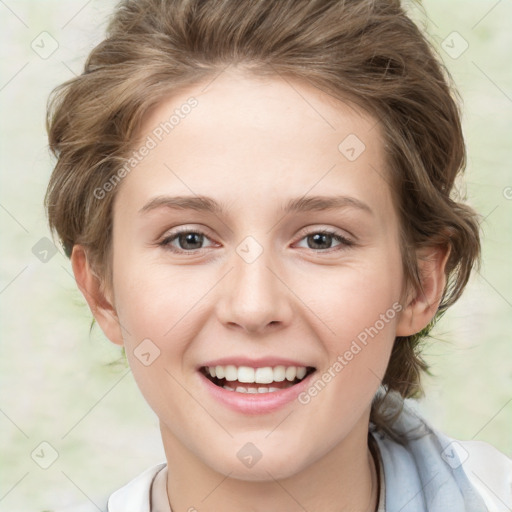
343,479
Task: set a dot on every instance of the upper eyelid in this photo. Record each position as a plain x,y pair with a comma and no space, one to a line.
304,232
172,232
333,231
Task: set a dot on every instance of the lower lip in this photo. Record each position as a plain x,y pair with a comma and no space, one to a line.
255,403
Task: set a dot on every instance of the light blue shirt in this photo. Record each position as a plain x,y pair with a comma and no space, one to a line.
423,469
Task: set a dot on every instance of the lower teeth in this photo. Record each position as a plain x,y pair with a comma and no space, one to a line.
241,389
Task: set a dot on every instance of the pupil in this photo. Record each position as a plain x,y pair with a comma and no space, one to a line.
321,238
188,240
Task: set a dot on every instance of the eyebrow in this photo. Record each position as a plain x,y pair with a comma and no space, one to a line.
296,205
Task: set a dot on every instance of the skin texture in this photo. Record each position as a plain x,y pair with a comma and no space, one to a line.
253,144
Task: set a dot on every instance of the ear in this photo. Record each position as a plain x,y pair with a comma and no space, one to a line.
90,285
421,305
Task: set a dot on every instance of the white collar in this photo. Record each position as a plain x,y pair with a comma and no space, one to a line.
135,496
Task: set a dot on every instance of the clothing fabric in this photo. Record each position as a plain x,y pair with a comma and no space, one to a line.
431,472
420,470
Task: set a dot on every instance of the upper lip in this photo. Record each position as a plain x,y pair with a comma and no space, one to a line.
253,363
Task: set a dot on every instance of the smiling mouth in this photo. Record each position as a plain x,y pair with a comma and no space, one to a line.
244,379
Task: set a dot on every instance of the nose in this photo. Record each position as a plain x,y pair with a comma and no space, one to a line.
254,297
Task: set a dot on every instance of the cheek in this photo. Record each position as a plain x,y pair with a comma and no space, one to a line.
156,302
354,297
362,313
159,321
359,308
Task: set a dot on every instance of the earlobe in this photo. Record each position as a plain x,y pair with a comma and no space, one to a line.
421,305
101,306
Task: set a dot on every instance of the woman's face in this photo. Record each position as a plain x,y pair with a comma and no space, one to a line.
287,267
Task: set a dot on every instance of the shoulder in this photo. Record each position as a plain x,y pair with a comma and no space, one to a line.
488,470
132,497
425,465
135,496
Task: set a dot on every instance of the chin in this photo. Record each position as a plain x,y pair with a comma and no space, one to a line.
277,466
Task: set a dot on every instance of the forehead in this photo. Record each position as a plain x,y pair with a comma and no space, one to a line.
241,137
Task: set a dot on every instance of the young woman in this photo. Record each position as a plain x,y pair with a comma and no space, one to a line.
255,197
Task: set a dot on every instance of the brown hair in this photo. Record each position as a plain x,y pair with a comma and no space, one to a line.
368,52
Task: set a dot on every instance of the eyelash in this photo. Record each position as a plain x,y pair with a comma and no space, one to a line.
344,242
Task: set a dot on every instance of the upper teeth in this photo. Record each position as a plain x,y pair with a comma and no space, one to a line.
264,375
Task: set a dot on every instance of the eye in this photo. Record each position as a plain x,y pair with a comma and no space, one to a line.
323,240
189,240
185,240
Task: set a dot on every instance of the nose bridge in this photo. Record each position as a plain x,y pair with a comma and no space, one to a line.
253,297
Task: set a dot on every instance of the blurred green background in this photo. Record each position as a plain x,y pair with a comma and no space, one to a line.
63,386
